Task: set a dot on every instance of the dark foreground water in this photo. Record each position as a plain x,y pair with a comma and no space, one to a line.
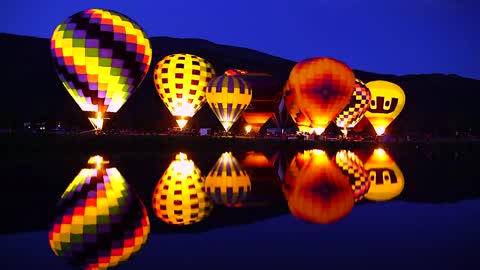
395,207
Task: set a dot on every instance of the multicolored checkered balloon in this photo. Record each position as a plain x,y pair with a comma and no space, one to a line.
228,183
101,57
321,88
353,167
179,197
100,221
356,109
228,96
181,81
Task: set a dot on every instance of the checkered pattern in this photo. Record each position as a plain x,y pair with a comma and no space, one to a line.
227,182
100,221
101,57
353,167
179,196
228,96
322,87
355,110
181,81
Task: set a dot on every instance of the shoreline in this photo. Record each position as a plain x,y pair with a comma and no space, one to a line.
149,143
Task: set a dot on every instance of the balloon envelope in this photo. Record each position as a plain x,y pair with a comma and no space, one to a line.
100,221
301,120
101,57
228,96
388,100
386,178
227,182
181,81
352,166
322,87
316,190
179,197
356,108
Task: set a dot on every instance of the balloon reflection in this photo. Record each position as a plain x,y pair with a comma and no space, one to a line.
100,221
179,197
280,163
316,189
386,178
228,183
353,167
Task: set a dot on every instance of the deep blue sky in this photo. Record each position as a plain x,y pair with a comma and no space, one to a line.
398,37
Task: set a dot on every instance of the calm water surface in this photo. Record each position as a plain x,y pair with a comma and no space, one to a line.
391,207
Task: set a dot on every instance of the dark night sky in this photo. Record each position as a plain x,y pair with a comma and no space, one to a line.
397,37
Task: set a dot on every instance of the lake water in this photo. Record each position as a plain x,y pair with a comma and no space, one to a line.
411,206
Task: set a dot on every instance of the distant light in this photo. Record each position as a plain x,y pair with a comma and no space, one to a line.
248,128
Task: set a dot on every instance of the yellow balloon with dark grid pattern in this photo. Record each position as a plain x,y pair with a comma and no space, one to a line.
181,80
228,183
228,96
180,196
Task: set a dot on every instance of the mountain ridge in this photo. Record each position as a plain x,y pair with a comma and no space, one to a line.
435,102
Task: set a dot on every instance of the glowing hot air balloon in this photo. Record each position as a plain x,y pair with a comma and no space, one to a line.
179,196
228,96
181,80
388,100
281,116
355,109
316,190
101,57
353,167
321,88
386,178
301,120
100,221
228,183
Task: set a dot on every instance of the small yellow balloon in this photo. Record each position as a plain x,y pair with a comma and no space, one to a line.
388,100
386,178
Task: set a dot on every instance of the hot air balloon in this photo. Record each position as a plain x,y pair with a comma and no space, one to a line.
100,221
228,96
386,178
280,163
181,80
388,100
353,167
101,57
179,197
321,88
256,117
281,117
227,182
301,120
316,190
262,105
355,109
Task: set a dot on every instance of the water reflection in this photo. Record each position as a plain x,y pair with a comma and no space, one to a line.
228,183
386,178
100,221
316,190
179,197
352,166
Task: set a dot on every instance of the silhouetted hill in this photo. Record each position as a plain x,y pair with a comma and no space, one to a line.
33,92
